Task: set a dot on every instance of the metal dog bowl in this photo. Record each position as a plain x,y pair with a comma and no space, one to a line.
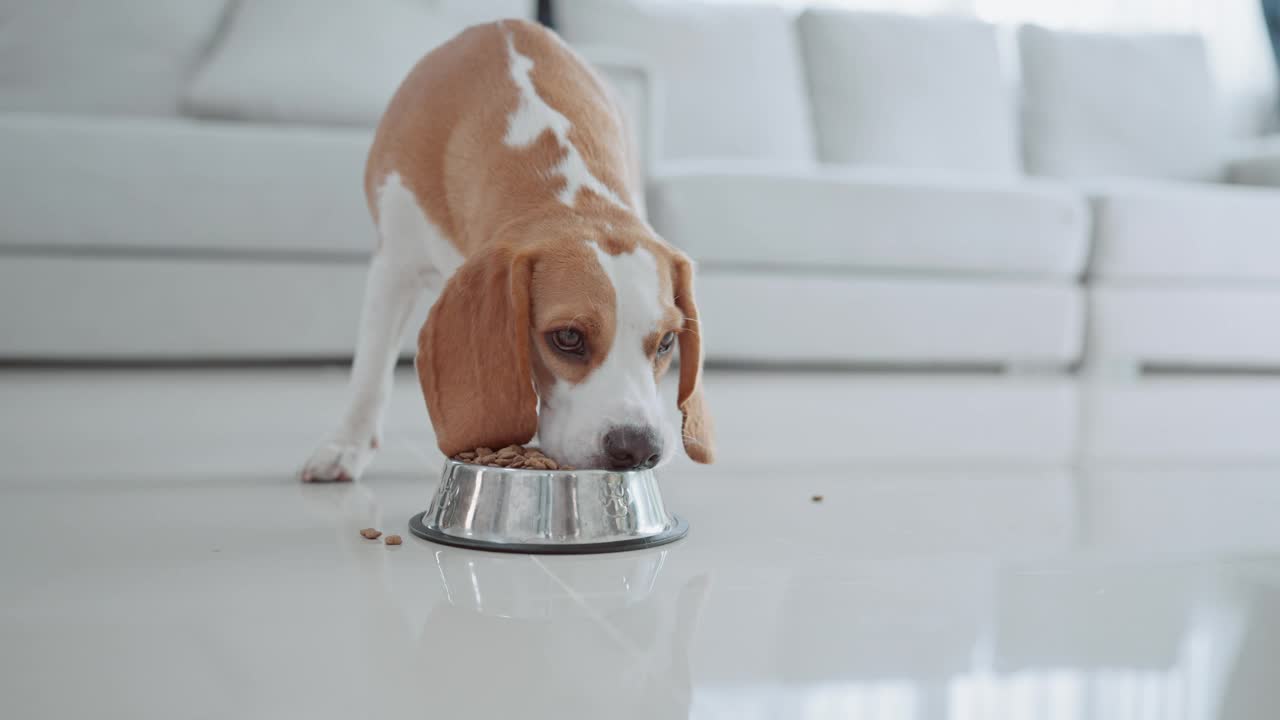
547,511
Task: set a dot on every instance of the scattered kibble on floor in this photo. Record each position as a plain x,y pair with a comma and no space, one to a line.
393,540
371,533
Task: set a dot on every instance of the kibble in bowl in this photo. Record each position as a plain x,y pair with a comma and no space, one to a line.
514,457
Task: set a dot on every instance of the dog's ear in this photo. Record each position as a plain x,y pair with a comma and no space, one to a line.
473,355
696,427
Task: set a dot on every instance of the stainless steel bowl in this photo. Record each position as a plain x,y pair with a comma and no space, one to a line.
547,511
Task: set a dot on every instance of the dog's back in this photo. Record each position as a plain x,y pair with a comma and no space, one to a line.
495,122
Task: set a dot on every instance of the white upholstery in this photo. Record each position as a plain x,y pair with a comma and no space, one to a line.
1177,231
1195,326
873,417
1119,105
731,74
130,308
871,221
180,186
903,91
326,61
119,57
799,318
632,81
1257,164
1172,420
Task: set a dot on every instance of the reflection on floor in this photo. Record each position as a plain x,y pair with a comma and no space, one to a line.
160,561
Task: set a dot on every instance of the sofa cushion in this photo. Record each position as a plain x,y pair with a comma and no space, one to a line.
124,56
1184,231
173,185
908,91
1256,162
326,61
780,317
872,220
1099,105
1183,327
732,78
179,308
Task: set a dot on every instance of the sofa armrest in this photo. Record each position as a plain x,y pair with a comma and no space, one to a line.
1258,163
637,90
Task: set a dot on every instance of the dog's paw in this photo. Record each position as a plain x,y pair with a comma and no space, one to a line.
337,461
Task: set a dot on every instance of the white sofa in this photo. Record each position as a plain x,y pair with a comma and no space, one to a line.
860,190
1074,207
915,203
182,181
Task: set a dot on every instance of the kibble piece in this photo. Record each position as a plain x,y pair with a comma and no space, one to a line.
817,498
370,533
393,540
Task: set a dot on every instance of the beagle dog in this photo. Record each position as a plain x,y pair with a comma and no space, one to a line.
501,176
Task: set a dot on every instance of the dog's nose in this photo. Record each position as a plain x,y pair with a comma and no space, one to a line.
632,448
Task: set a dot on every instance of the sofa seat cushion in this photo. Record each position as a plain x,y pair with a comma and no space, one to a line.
898,90
126,308
863,220
1186,231
1184,327
174,185
806,318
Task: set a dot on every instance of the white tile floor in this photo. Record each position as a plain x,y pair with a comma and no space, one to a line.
157,560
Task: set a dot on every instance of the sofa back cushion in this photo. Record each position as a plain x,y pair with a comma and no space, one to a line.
1106,105
731,76
100,56
330,62
908,91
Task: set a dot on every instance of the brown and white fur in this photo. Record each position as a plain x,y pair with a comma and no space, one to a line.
501,176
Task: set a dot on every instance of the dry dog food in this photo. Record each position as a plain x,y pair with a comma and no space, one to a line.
818,498
370,533
511,456
392,540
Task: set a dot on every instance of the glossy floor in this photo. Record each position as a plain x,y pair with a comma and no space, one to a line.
159,561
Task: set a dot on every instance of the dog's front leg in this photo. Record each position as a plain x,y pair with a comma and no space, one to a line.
393,289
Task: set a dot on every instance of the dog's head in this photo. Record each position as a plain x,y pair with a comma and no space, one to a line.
567,339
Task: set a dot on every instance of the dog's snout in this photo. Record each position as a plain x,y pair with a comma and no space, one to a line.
632,448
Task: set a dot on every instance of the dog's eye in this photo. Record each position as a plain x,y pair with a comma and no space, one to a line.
668,340
568,341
